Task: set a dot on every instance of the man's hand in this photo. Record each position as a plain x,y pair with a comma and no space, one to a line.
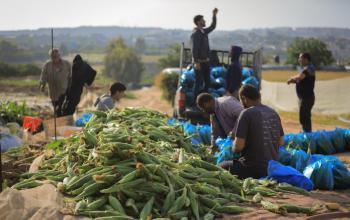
197,66
42,88
215,11
291,80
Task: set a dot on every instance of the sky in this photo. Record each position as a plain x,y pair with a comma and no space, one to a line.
173,14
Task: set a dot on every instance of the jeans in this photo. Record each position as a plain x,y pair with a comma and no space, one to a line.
238,168
202,75
305,106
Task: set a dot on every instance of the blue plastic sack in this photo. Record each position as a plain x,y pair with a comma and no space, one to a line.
321,174
225,150
324,143
83,119
319,167
251,81
301,140
204,133
338,139
296,158
187,78
218,71
246,72
287,174
220,82
8,141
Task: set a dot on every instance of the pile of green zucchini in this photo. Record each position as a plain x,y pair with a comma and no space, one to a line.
131,165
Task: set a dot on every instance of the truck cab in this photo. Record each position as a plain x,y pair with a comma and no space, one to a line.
185,107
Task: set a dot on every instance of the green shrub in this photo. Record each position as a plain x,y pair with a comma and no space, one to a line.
18,69
167,82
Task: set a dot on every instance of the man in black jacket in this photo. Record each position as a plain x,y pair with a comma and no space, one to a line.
82,75
234,73
201,51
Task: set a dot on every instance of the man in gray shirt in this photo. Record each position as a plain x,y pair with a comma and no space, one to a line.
107,102
57,74
259,134
223,111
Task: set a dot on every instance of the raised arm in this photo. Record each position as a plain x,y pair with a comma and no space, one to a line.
213,23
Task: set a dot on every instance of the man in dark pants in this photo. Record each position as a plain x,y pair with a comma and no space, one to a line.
305,83
57,74
201,52
82,75
234,73
259,134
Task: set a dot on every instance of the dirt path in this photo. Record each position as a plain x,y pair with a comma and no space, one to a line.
151,98
148,98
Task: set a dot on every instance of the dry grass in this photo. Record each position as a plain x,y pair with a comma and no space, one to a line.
319,119
284,75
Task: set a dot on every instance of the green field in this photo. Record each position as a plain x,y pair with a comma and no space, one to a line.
284,75
92,58
19,82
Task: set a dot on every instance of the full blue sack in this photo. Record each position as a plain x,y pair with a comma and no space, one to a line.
220,82
251,81
83,119
295,158
338,139
204,133
324,143
321,174
302,140
187,78
287,174
218,71
225,150
246,72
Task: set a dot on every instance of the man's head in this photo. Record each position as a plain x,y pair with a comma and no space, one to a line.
55,55
206,102
249,96
117,91
199,21
304,59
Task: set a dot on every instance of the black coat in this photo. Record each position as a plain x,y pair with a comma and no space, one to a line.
82,74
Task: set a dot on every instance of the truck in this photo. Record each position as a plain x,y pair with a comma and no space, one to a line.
188,110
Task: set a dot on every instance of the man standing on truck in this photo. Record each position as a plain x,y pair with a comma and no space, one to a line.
201,51
224,112
305,84
234,73
57,74
259,134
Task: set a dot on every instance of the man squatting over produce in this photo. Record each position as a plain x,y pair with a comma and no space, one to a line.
201,52
259,134
107,102
224,112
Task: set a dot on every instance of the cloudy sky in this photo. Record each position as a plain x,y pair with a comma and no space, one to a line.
233,14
